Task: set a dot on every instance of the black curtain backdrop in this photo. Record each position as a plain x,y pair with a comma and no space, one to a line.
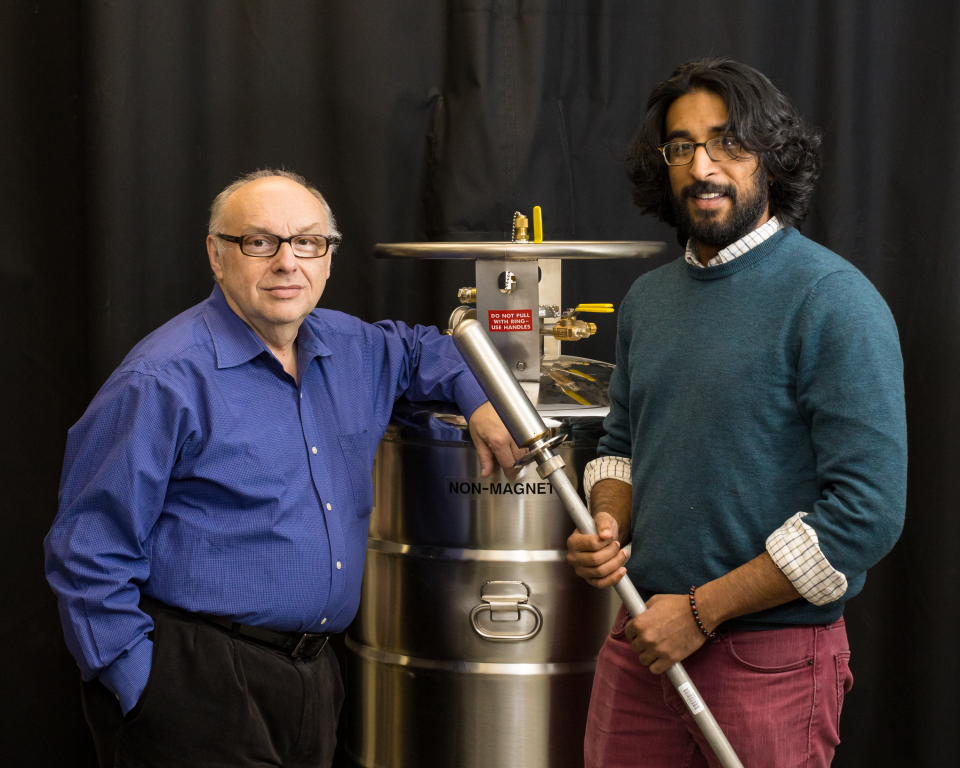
424,119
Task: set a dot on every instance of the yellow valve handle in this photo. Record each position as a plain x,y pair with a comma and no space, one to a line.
601,309
537,224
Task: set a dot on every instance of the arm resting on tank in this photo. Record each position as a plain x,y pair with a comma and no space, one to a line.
493,442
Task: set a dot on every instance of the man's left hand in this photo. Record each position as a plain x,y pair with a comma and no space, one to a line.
493,442
665,633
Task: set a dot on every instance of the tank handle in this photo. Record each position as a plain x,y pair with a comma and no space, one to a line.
505,601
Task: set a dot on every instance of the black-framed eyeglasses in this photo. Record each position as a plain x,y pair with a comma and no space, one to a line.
719,149
265,245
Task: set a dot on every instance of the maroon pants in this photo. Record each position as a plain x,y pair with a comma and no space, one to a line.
777,695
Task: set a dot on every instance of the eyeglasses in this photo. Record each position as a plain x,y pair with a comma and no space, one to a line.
264,245
718,149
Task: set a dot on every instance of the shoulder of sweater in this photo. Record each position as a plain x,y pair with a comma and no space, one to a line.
811,258
829,286
815,268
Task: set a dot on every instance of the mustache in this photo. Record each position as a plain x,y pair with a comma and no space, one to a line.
707,188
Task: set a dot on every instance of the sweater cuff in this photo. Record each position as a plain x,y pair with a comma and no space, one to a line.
795,549
605,468
127,677
468,395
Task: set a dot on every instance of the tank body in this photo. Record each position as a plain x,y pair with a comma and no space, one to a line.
475,643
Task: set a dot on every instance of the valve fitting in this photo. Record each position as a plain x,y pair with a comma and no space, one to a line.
569,329
521,224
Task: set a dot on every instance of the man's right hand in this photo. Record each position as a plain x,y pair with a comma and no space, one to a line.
598,559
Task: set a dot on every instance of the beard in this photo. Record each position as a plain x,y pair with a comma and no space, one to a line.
713,228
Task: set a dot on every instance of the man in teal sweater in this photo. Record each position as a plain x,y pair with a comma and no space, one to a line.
755,454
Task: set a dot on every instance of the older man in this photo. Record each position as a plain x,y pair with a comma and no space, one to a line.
756,444
216,494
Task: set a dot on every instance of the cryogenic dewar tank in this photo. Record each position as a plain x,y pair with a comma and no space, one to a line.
475,643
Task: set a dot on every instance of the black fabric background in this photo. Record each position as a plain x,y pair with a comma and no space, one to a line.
424,119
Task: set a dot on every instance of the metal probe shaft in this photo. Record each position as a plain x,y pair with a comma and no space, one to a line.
527,428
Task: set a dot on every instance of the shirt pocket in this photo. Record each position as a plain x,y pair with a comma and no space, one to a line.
356,455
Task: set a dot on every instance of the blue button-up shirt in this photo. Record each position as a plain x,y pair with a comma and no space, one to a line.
202,475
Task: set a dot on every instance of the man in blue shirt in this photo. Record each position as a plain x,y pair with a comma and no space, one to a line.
216,494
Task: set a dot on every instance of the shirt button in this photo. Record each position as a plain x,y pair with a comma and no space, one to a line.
323,621
314,449
301,395
329,506
338,565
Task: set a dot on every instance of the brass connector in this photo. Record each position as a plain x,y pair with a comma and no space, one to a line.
467,295
573,330
521,224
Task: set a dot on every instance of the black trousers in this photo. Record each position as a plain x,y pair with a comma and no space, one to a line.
214,700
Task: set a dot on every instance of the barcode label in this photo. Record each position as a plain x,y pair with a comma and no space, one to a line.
691,699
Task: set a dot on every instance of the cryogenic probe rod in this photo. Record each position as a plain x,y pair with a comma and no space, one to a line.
527,429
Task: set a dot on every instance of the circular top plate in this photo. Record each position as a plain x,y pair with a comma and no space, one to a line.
552,249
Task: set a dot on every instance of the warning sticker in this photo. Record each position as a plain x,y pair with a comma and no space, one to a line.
510,320
691,699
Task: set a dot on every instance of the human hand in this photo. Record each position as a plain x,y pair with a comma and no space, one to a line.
493,442
665,633
598,559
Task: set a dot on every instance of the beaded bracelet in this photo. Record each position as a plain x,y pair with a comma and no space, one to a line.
696,616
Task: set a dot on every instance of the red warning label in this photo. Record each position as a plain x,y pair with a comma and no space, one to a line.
510,319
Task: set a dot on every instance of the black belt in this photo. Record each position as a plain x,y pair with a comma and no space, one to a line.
300,645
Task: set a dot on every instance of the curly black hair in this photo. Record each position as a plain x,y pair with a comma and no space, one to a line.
765,121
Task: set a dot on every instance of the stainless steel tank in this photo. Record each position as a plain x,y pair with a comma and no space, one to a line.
475,643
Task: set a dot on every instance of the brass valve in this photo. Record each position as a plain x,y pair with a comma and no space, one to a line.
467,295
521,233
569,329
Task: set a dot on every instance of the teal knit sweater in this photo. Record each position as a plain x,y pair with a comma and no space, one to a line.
750,391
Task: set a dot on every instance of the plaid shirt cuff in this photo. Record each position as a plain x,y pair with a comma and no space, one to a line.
605,468
795,549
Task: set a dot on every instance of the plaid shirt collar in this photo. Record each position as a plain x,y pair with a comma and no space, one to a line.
747,242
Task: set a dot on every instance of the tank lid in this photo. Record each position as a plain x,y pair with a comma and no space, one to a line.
552,249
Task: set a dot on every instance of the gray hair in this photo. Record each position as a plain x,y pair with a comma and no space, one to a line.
219,206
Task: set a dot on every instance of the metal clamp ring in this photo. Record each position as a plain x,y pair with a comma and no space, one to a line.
550,466
506,637
534,450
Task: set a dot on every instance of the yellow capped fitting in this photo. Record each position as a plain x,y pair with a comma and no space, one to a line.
467,295
521,233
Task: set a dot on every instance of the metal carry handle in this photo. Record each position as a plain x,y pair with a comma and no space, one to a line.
527,429
506,637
